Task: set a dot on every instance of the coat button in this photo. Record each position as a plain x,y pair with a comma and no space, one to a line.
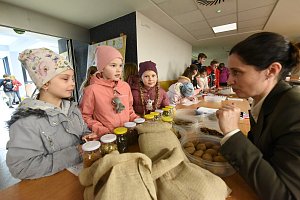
54,123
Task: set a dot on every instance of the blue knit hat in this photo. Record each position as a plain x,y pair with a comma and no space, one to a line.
187,89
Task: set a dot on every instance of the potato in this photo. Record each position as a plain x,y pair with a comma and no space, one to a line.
201,146
198,153
190,150
212,152
208,145
188,144
219,159
207,156
216,147
195,142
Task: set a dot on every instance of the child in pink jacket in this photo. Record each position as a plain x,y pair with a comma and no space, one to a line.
148,95
107,102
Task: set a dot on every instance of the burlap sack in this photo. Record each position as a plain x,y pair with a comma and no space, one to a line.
174,175
156,140
119,176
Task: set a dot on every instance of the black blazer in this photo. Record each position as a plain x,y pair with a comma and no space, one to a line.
269,160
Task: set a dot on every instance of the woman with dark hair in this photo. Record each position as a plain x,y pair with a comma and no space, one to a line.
269,159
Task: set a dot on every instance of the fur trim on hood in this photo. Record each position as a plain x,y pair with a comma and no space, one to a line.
25,112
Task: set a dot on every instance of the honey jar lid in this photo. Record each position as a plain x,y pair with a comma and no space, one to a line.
91,145
120,130
154,113
167,119
149,116
139,120
169,106
129,124
108,138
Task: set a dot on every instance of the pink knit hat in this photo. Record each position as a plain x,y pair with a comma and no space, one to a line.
147,65
105,54
43,64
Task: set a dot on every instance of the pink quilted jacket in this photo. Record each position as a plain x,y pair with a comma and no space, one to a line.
97,109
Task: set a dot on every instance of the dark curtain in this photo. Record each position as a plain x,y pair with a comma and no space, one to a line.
77,52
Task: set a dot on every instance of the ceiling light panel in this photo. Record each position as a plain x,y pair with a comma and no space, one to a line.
224,28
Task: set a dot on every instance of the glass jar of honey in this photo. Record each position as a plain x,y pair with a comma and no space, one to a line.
139,121
160,112
132,134
170,121
91,153
156,116
167,119
166,112
149,118
121,139
171,110
108,143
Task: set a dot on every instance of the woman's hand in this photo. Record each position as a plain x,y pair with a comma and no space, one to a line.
90,137
229,116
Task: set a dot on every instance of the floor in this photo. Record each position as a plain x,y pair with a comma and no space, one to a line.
6,179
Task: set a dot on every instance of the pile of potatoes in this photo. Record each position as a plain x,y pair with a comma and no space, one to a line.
205,150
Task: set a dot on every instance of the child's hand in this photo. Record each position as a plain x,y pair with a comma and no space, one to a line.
184,100
90,137
192,98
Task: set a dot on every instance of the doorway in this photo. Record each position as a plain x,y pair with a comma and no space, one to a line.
12,42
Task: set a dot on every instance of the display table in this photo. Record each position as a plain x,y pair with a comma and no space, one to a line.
293,81
65,186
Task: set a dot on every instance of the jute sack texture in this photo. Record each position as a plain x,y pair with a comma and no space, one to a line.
174,175
119,177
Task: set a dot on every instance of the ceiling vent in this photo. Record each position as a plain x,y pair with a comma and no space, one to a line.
209,2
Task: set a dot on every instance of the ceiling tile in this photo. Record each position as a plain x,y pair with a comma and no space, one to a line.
252,28
246,4
202,25
252,22
189,17
176,7
201,37
255,13
201,32
227,7
160,1
222,20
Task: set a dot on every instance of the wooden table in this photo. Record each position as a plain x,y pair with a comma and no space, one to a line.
65,186
293,81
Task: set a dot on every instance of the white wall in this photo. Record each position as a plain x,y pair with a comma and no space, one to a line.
170,53
16,17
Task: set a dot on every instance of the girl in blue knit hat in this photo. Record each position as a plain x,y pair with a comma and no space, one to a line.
182,91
